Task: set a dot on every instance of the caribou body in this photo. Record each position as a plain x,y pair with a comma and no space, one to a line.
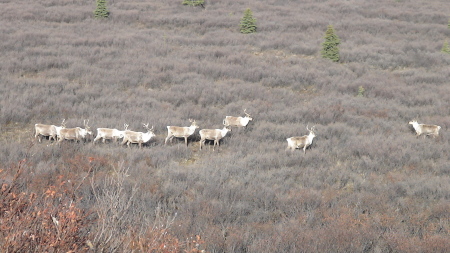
76,133
180,132
51,131
45,130
213,134
110,134
231,121
301,141
137,137
424,129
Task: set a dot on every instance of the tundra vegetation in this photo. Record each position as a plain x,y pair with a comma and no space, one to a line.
367,184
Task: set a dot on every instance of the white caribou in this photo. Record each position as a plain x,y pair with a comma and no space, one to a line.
110,134
181,132
138,137
51,131
231,121
213,134
301,141
423,129
76,133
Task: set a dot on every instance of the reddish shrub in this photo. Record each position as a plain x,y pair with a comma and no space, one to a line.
41,222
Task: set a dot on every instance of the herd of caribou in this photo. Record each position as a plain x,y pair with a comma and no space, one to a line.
60,133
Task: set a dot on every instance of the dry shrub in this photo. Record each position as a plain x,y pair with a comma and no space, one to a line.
436,243
41,222
344,231
161,240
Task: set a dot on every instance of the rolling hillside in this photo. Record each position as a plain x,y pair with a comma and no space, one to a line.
367,183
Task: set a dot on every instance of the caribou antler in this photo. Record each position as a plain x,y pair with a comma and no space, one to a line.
193,122
312,128
246,114
148,129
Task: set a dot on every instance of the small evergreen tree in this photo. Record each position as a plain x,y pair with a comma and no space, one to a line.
194,3
101,11
248,23
361,91
330,48
445,48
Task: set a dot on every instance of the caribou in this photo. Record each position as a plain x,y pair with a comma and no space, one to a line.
58,128
304,142
76,133
138,137
110,134
213,134
425,130
180,132
51,131
231,121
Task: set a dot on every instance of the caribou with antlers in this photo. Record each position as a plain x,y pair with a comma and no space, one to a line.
231,121
51,131
180,132
138,137
76,133
301,141
58,128
424,129
110,134
213,134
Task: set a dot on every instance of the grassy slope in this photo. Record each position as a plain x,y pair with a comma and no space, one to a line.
367,184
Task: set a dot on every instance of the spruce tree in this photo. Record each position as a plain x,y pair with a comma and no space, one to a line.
330,48
248,23
101,11
194,3
445,48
